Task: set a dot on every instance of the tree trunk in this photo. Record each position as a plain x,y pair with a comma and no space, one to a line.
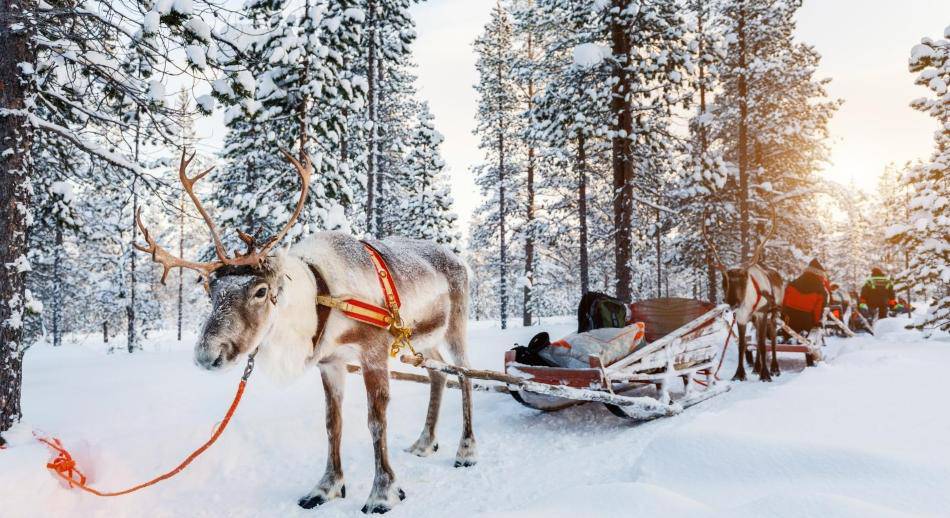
743,143
381,174
371,94
526,316
581,166
711,285
181,253
622,154
57,287
712,289
105,332
130,309
15,141
502,248
659,255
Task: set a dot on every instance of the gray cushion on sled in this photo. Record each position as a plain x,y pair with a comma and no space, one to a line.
608,343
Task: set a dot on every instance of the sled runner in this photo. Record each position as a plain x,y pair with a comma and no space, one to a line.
670,370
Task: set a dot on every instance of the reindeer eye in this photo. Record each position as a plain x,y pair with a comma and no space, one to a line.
261,292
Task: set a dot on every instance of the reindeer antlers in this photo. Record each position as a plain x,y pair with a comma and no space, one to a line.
251,257
717,262
758,250
167,260
755,255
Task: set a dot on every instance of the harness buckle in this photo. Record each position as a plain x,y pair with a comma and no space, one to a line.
402,334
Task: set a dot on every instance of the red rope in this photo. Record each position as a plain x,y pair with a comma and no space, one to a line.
64,466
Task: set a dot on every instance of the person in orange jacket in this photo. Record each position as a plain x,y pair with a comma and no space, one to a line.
805,298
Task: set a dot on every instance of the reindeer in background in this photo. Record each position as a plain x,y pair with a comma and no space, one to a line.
267,301
754,293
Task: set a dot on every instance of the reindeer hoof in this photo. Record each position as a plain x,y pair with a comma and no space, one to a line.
309,502
320,496
383,500
738,377
376,509
423,448
766,378
466,455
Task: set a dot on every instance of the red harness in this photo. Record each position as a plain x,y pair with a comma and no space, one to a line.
758,293
372,314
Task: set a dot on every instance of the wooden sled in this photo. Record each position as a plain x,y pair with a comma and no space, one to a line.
640,385
810,348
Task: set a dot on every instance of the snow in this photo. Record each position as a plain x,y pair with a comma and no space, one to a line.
200,28
589,54
152,18
64,190
196,55
156,91
205,102
860,435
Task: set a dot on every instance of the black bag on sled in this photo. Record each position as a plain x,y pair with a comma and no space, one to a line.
528,355
598,310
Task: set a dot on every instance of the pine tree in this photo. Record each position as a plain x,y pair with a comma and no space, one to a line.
389,32
570,117
646,68
498,129
57,215
772,113
88,73
703,175
425,207
303,92
926,235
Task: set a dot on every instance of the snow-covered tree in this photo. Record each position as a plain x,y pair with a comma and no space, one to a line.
93,74
772,113
389,33
926,234
303,91
425,204
498,126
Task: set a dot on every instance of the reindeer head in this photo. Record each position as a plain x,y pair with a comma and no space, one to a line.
244,287
735,281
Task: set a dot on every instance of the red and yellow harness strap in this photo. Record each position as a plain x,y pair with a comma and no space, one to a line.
374,315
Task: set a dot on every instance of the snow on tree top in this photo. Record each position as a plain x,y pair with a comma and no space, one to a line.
589,54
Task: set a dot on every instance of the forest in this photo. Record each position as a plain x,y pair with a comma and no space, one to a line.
611,131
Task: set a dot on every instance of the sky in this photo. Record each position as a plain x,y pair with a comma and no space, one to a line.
865,45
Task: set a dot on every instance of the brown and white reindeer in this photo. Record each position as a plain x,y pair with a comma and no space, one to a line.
754,293
266,301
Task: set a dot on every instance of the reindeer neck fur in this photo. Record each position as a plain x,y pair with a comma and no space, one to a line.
751,302
287,342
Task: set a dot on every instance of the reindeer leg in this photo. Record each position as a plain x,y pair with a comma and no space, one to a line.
466,455
740,370
331,485
762,353
427,444
749,357
757,361
385,494
773,335
456,340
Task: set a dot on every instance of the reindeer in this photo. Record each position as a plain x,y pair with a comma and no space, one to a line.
267,301
754,292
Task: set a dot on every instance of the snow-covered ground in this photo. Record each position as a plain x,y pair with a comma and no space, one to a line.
866,433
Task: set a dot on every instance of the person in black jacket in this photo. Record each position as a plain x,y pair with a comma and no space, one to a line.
877,294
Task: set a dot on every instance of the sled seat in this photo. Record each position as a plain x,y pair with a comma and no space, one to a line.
662,316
